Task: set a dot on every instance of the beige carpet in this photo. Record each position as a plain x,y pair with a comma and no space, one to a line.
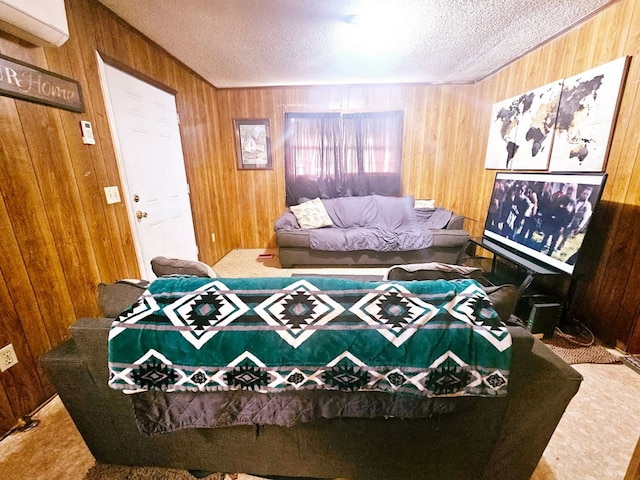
54,450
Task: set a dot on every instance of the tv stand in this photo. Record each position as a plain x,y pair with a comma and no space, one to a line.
542,290
531,268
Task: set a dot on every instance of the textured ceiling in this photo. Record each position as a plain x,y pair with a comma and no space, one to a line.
248,43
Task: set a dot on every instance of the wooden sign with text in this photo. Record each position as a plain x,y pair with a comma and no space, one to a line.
34,84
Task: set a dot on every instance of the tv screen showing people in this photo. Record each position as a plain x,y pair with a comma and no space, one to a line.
543,215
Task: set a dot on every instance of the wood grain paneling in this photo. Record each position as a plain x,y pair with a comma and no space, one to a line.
606,300
21,383
430,120
60,238
445,134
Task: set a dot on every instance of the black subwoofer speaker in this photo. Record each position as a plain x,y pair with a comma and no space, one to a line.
543,318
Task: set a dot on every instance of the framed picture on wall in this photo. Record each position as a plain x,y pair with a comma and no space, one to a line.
521,130
586,116
253,144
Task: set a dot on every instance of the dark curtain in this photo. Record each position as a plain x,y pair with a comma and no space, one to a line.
328,155
313,147
373,153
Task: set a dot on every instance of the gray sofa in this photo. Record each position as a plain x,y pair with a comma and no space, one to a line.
483,438
354,222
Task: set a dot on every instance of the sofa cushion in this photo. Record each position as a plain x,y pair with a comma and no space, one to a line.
371,222
388,213
431,271
163,266
286,222
396,213
311,214
433,218
349,212
502,297
450,238
113,298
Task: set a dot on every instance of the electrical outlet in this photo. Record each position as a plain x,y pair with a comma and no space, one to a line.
8,357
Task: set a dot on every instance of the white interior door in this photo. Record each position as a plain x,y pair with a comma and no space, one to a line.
144,122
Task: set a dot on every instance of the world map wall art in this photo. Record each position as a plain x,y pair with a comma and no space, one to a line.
564,126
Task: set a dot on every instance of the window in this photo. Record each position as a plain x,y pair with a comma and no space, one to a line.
331,155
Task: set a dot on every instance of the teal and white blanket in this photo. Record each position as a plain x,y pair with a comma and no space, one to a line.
269,335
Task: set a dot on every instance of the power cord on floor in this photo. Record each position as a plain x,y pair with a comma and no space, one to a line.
24,423
27,422
580,329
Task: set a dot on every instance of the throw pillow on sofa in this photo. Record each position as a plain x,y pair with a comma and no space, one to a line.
431,271
164,266
311,214
424,204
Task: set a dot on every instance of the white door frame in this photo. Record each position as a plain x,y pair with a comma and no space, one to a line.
120,163
128,195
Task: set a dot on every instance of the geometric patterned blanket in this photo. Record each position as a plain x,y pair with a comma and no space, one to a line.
419,338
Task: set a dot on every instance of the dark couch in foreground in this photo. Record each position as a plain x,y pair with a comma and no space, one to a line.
486,438
371,230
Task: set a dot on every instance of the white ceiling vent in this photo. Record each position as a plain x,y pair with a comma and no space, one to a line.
41,22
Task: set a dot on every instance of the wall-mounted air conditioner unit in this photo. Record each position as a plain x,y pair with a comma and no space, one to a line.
41,22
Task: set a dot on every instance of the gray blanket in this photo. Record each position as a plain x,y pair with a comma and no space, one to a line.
158,412
373,222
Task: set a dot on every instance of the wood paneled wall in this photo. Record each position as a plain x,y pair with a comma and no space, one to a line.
60,238
607,297
445,137
437,125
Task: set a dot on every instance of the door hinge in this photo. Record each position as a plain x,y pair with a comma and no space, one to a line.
178,117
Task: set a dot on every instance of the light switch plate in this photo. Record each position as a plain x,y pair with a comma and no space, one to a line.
112,194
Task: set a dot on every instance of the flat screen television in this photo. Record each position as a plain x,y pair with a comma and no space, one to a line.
543,216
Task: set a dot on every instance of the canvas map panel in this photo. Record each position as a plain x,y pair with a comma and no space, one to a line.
564,126
585,118
521,132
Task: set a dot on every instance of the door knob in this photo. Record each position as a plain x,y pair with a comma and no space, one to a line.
140,215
